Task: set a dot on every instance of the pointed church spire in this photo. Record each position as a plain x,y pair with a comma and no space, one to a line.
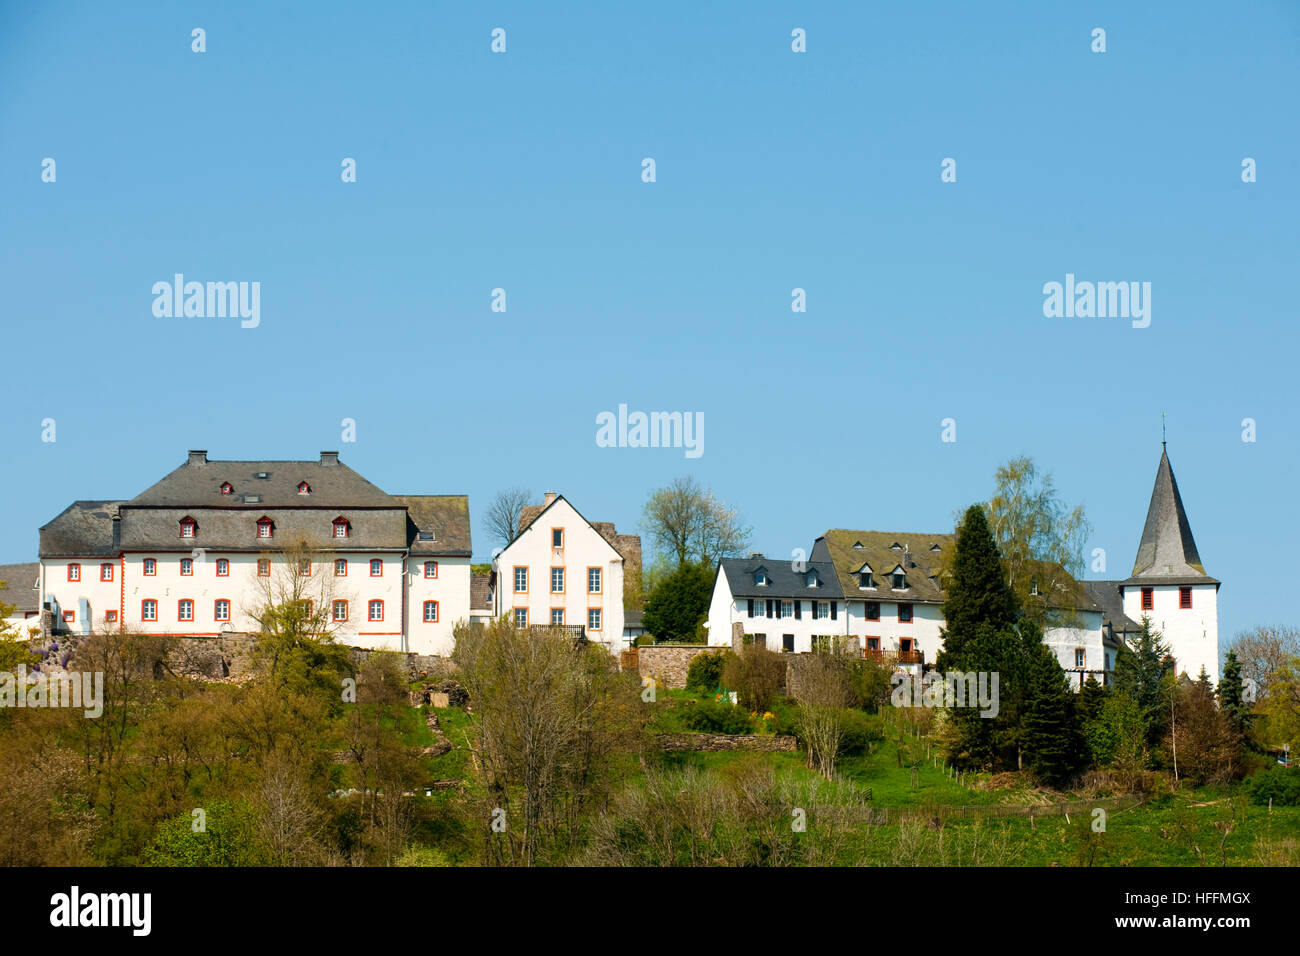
1167,548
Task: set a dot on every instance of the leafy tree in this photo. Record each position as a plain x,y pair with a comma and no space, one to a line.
15,652
679,603
685,521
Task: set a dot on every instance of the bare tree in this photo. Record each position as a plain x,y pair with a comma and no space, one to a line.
688,522
1263,651
820,685
503,515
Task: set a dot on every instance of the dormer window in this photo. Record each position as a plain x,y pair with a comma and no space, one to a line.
935,547
899,579
341,527
265,527
760,578
1033,586
304,488
895,547
227,488
811,580
189,527
857,545
866,578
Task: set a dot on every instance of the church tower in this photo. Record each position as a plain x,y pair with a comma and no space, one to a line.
1169,584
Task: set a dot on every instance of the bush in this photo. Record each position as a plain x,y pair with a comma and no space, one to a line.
756,675
705,672
1282,784
710,718
859,732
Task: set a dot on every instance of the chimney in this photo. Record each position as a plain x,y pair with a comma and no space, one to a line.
198,456
550,496
329,458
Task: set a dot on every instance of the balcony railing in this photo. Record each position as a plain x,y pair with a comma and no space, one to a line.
895,657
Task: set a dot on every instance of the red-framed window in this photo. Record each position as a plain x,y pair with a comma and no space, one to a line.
148,610
341,527
304,488
557,580
339,610
873,611
189,528
430,612
593,619
593,580
150,567
110,617
904,613
376,611
69,616
430,569
187,567
905,645
1185,598
184,610
227,488
265,527
74,572
263,567
223,568
106,572
873,643
221,610
340,567
1148,598
304,567
376,567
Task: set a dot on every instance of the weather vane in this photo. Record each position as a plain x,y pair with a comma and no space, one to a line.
1163,435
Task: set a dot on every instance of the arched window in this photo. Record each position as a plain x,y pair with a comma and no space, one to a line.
431,612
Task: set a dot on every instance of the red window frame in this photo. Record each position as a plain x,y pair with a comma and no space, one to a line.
180,604
307,563
187,567
334,610
189,524
106,572
341,563
70,617
145,606
430,566
268,524
872,611
216,609
110,617
376,562
1185,598
430,605
227,488
223,563
341,523
370,610
304,488
149,567
74,571
911,614
263,567
1148,599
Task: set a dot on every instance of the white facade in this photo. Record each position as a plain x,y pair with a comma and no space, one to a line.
784,621
1192,633
1081,648
560,570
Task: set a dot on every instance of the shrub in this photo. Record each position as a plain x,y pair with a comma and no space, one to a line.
705,672
859,731
710,718
755,674
1282,784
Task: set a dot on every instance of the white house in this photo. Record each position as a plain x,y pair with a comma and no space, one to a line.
782,605
562,570
201,550
18,588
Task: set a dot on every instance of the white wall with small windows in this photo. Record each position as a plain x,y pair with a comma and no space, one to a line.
885,621
785,623
67,582
1079,647
439,599
1187,617
561,570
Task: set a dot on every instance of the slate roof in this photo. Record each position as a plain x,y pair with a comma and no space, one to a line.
198,482
1106,595
480,588
224,529
84,529
446,517
783,580
18,585
1167,551
840,547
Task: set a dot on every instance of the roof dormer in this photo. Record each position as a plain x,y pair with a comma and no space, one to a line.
895,547
227,488
866,577
898,578
811,579
760,576
189,527
304,488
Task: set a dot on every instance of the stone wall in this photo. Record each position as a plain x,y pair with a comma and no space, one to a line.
668,664
714,743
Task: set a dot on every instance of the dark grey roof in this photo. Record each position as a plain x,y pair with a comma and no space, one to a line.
17,585
198,482
783,580
225,529
439,524
633,619
1107,595
1167,549
84,529
480,590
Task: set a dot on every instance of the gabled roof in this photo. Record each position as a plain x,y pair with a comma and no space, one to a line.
198,483
1167,549
529,514
445,517
18,582
1108,598
480,592
783,580
876,550
84,529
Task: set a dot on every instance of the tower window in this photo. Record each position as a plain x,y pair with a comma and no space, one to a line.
1185,598
1148,598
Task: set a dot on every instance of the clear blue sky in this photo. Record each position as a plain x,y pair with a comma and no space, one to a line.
775,170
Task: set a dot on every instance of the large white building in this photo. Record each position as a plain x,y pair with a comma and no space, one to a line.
563,571
198,553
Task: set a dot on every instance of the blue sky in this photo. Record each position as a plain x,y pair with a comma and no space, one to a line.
775,170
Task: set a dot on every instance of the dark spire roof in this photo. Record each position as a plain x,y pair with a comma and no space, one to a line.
1167,548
